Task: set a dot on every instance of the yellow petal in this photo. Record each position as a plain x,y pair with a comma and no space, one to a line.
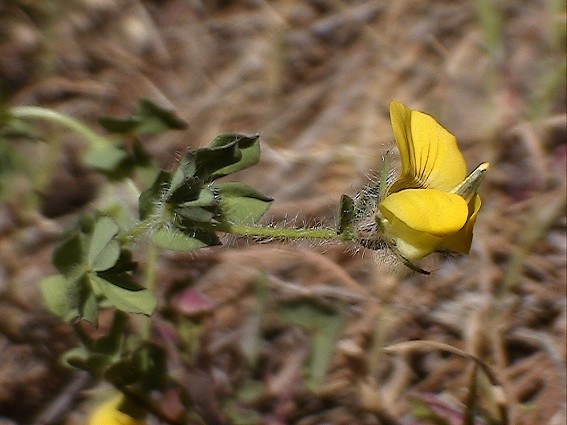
427,210
461,241
417,220
108,413
429,154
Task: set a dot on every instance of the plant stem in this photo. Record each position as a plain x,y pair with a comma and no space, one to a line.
134,232
279,232
149,283
39,113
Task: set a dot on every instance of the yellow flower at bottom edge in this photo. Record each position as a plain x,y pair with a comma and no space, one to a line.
108,413
433,204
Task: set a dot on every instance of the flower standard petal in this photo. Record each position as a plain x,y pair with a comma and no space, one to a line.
429,154
415,221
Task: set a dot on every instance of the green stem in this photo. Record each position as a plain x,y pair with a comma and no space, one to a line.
149,283
134,232
143,227
39,113
280,232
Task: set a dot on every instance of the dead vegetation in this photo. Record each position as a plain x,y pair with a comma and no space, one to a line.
314,78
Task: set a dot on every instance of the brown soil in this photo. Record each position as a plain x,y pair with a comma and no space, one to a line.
314,78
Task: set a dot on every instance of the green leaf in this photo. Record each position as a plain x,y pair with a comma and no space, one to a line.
139,301
240,204
104,249
186,192
249,147
176,240
210,160
149,118
55,292
206,198
197,214
68,256
105,157
184,171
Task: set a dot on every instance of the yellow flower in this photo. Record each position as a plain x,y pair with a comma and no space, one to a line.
108,413
433,204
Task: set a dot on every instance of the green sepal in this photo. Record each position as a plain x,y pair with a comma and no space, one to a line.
346,216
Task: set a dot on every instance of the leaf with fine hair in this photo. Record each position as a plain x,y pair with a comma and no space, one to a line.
149,118
104,249
240,204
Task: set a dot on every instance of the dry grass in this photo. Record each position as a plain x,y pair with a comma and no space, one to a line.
314,78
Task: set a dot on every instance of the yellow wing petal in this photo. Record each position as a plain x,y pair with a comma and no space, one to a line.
417,220
462,240
427,210
429,154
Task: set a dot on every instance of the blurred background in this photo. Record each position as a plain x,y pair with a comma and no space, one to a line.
314,79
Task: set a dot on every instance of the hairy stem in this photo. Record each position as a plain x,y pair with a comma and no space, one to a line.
279,232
